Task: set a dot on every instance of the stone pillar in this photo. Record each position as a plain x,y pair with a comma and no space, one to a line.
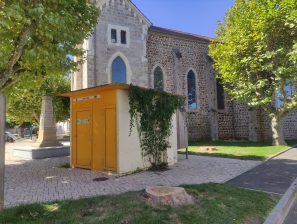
253,137
181,118
47,136
212,100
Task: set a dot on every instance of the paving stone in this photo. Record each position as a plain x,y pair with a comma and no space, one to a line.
30,181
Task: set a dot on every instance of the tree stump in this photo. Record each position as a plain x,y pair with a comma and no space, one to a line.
209,149
172,196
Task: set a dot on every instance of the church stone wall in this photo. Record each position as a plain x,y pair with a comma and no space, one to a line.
290,123
119,13
177,54
290,127
161,51
233,122
116,14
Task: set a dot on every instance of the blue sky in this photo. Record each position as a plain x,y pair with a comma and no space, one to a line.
193,16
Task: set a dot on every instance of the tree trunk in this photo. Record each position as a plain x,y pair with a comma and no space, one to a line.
277,130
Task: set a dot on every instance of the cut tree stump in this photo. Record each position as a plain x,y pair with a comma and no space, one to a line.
208,149
173,196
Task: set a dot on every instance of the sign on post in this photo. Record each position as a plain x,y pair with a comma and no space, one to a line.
2,149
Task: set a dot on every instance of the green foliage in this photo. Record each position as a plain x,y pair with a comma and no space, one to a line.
237,150
256,52
25,96
255,55
152,112
37,36
214,204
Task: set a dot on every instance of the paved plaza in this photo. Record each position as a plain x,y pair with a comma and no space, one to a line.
30,181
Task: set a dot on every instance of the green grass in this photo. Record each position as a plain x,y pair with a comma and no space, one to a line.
237,149
214,204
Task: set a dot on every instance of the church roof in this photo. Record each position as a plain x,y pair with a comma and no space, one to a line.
181,34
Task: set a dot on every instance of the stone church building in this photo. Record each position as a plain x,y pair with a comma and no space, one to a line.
127,48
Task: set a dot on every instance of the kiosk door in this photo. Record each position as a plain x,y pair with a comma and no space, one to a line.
84,139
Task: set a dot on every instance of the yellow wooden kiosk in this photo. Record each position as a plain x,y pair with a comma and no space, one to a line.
100,137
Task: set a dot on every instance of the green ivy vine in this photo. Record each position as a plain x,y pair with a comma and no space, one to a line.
151,111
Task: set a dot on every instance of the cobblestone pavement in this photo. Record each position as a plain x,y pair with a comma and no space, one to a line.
29,181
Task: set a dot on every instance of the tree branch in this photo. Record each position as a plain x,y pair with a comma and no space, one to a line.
18,52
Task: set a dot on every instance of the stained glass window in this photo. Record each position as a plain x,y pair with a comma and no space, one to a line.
192,97
158,79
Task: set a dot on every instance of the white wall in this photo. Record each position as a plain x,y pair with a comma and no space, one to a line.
129,151
172,151
63,128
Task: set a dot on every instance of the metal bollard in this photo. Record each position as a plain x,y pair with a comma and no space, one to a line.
187,153
2,148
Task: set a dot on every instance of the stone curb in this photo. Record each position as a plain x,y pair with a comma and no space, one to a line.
281,210
42,153
278,154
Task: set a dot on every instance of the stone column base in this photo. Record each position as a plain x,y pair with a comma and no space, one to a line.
47,138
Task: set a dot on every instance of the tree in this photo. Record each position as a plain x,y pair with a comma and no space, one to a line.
24,98
256,56
36,36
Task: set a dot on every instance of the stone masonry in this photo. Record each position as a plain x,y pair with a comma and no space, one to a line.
176,53
47,129
193,56
118,14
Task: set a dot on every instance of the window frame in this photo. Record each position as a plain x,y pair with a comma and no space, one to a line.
163,77
196,90
111,36
112,64
125,37
119,30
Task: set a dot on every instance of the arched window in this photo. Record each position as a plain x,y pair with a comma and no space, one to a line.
158,79
220,95
119,71
192,97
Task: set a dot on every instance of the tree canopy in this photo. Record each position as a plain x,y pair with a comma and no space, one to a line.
24,98
256,56
37,36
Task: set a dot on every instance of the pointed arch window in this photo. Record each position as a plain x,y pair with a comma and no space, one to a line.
220,95
119,71
158,79
192,94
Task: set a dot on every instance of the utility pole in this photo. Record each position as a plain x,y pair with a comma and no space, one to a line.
2,149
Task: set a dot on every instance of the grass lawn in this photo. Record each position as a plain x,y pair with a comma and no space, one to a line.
237,150
214,203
